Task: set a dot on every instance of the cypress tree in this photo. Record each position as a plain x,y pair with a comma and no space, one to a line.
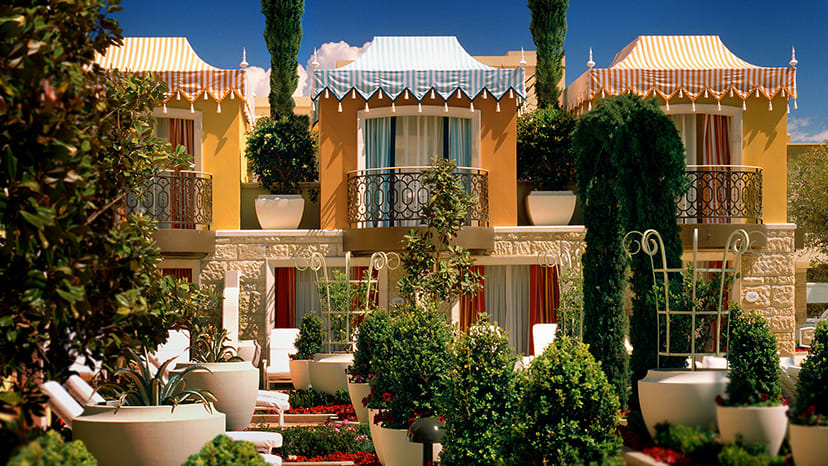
283,36
548,27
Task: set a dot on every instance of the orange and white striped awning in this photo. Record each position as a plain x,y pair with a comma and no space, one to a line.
175,62
680,66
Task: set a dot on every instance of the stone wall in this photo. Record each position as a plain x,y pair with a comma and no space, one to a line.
531,241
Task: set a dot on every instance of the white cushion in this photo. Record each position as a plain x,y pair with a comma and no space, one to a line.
82,391
176,346
283,339
279,363
542,336
62,402
271,459
263,440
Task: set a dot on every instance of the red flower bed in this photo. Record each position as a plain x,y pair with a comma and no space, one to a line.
665,455
342,411
362,458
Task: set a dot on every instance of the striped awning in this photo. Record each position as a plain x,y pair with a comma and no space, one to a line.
173,60
418,64
670,66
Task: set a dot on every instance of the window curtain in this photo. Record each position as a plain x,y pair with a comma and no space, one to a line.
544,298
472,306
181,134
285,296
307,296
378,145
716,151
507,302
178,274
182,200
417,140
459,141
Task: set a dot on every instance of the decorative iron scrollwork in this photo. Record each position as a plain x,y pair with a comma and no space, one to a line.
175,199
719,193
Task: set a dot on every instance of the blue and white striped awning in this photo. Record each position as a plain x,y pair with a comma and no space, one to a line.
418,64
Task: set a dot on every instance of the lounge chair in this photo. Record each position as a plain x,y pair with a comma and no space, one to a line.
789,378
83,370
542,336
82,391
67,409
281,347
177,346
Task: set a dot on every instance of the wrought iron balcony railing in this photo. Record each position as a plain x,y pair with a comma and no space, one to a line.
388,197
180,199
721,194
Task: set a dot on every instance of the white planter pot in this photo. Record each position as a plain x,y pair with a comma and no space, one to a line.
681,396
550,207
299,373
376,433
358,391
279,211
235,385
809,445
393,448
765,424
328,372
146,435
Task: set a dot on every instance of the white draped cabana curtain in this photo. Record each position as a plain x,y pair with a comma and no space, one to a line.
506,292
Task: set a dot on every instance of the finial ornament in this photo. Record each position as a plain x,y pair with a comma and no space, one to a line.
591,62
522,62
244,63
793,61
315,61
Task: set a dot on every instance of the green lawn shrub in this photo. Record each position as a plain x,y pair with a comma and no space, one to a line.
222,450
811,406
754,362
51,450
372,330
321,440
309,341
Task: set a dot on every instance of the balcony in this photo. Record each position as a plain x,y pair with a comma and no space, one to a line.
385,203
181,204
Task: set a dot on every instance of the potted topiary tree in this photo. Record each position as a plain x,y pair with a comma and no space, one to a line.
753,409
809,417
233,381
308,343
545,158
151,420
282,153
371,333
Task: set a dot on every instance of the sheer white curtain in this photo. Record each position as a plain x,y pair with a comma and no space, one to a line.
417,140
307,297
507,302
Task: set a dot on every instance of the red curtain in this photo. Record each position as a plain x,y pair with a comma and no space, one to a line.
358,273
285,296
182,133
181,195
544,298
716,151
178,274
472,306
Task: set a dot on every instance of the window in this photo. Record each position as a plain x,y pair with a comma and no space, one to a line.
181,127
710,136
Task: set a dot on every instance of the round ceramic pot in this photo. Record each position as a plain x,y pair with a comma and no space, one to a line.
392,445
376,434
357,392
681,396
299,373
235,385
328,372
809,445
760,424
146,435
550,207
279,211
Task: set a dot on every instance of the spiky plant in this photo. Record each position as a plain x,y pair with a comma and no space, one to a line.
137,386
210,347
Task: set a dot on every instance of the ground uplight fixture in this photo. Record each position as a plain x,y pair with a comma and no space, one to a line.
428,431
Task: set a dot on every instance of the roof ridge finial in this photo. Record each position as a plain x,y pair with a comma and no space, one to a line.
522,62
591,62
793,61
315,62
244,63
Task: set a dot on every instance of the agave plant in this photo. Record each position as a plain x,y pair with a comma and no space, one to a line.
137,386
210,347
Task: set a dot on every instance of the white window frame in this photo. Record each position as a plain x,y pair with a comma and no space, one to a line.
412,110
735,128
183,114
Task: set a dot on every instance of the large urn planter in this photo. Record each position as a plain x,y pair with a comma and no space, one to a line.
550,207
760,424
235,385
809,444
392,445
146,435
681,396
300,373
328,372
357,392
279,211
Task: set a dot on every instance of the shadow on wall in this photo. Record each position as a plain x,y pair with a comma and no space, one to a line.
249,192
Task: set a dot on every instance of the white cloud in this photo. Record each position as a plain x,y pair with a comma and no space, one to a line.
806,130
260,80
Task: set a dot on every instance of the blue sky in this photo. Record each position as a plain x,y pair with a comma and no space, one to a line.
760,32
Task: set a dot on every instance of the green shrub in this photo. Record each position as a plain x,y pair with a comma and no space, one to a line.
571,310
282,152
223,450
568,409
51,450
544,155
737,454
754,362
309,341
333,436
373,329
480,396
700,444
812,392
310,398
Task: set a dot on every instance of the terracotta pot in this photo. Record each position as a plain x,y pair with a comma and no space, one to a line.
146,435
358,391
279,211
809,445
761,424
300,373
681,396
235,385
328,372
550,207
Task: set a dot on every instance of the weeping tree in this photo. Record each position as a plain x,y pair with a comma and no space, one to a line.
650,170
604,261
283,36
548,27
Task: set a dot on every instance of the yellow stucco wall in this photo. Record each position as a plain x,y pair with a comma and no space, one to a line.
764,144
338,155
221,155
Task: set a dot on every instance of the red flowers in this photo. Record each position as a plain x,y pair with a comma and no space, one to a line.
362,458
719,400
665,455
764,397
386,397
